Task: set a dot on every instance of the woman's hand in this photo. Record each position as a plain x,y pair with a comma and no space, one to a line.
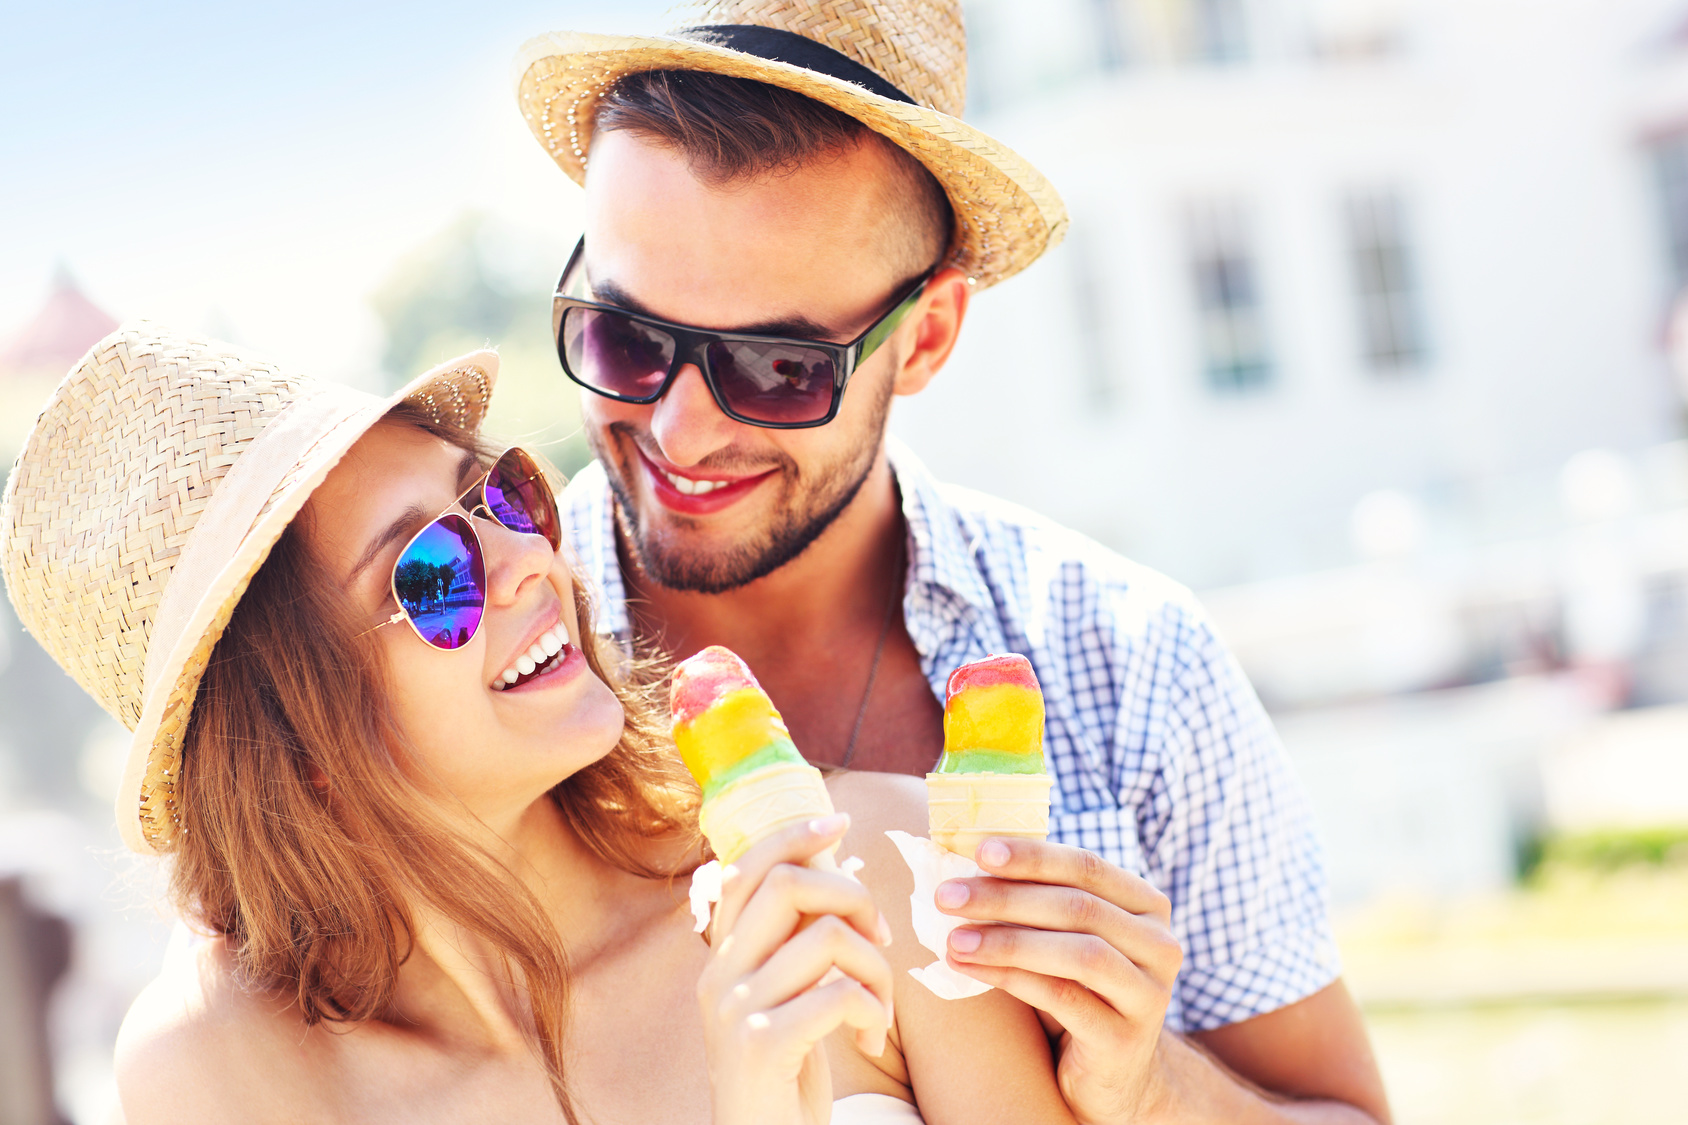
796,955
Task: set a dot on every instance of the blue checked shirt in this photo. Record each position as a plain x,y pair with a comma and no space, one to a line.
1163,760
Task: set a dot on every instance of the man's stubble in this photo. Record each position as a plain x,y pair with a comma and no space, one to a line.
810,504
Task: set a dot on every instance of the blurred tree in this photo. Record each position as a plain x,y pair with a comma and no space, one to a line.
480,284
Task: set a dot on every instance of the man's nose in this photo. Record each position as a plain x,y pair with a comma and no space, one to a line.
686,423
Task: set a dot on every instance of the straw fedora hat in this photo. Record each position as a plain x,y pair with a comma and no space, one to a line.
897,66
157,478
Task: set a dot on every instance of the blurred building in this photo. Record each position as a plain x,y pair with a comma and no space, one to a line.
34,953
66,325
1361,329
1319,250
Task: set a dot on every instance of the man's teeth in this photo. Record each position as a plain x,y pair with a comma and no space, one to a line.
693,487
541,654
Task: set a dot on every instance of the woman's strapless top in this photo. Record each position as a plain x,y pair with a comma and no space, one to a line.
874,1109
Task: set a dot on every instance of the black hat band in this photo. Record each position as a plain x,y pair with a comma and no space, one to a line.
775,45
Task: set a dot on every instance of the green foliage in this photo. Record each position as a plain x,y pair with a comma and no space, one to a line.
473,286
444,293
1608,850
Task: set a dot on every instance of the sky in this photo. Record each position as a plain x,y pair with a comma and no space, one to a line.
255,171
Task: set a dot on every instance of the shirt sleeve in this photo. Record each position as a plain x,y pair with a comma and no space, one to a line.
1164,761
1227,835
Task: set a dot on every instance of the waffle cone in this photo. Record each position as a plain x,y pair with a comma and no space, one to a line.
760,804
964,808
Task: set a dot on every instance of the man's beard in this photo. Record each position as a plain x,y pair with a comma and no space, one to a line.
808,508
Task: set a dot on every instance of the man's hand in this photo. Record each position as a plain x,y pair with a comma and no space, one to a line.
1088,945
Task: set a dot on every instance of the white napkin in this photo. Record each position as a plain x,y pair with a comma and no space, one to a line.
705,893
931,865
706,888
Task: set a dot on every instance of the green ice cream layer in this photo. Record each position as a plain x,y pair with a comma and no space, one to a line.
989,761
779,750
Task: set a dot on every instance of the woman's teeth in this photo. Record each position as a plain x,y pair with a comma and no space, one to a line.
540,657
693,487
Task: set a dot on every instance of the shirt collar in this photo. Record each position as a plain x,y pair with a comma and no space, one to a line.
943,551
948,608
595,543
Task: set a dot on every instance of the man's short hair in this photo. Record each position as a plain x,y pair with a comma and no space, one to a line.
735,128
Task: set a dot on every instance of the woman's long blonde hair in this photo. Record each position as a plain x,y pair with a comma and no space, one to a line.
306,844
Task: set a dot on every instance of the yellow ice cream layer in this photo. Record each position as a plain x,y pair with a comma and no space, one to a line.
994,728
722,741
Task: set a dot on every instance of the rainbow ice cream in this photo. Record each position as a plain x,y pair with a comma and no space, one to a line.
736,745
990,780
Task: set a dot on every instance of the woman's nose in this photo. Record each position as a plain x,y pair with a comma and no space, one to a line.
515,560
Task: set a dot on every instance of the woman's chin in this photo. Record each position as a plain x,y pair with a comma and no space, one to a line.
588,733
516,754
576,713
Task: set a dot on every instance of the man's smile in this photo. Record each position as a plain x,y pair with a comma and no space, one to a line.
696,492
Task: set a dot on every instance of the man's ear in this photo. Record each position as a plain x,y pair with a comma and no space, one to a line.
932,329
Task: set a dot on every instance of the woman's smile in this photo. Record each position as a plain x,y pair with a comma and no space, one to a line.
561,666
546,640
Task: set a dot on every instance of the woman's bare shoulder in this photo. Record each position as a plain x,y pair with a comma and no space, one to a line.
879,802
196,1043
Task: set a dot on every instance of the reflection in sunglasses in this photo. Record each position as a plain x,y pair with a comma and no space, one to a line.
440,582
439,579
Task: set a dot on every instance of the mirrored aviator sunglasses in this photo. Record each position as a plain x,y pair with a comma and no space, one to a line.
439,580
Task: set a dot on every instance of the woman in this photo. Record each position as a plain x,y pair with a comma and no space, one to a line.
436,850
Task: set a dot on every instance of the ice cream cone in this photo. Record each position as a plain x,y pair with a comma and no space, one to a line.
964,808
760,804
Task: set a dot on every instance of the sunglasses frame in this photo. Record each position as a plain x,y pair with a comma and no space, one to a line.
469,516
691,346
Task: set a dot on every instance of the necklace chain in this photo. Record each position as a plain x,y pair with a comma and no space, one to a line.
873,669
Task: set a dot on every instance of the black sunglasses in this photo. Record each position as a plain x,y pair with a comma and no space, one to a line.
781,382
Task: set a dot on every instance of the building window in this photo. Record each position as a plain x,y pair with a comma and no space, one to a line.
1173,32
1230,318
1109,25
1670,161
1219,30
1385,282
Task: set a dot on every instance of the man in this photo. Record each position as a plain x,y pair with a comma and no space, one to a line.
765,265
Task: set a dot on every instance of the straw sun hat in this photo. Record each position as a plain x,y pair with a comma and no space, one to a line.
897,66
159,475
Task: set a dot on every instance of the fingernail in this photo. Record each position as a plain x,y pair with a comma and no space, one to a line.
965,941
884,931
993,853
829,825
952,894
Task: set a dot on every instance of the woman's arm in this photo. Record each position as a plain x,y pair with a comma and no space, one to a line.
779,931
970,1062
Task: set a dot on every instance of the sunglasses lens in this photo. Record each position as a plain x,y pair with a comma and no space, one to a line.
765,382
614,354
519,498
440,581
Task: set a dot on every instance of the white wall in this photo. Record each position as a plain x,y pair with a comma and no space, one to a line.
1513,130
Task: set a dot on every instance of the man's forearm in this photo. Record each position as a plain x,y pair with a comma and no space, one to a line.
1194,1088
